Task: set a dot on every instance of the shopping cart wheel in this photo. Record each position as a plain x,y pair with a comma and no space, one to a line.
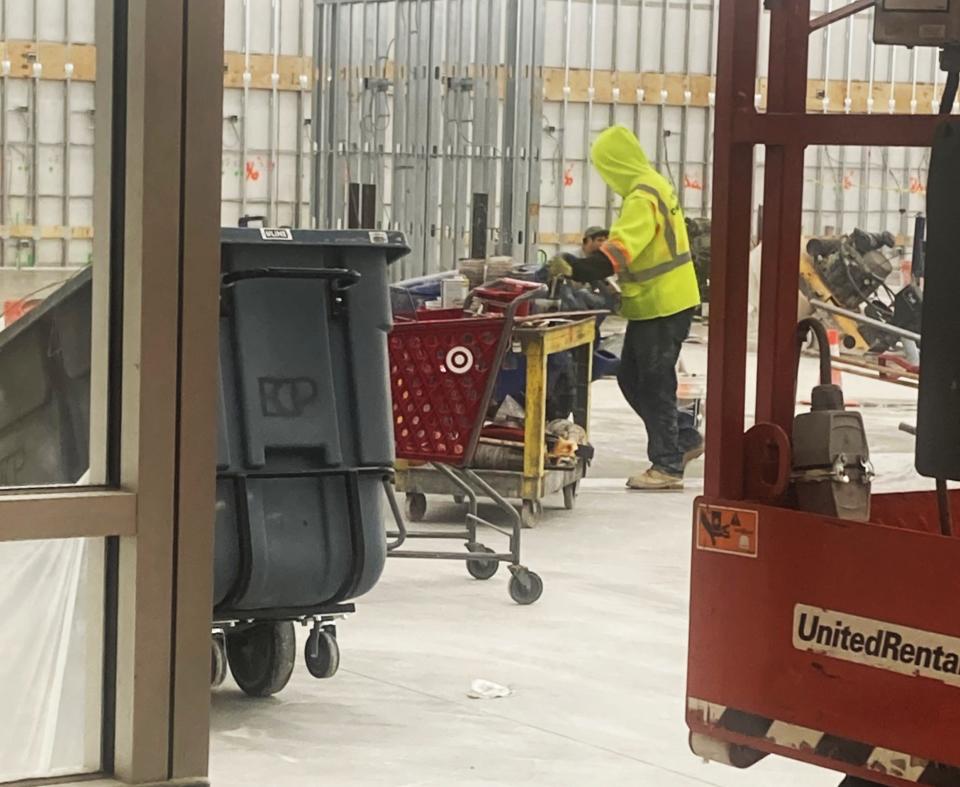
322,653
525,586
261,656
218,660
570,496
416,506
459,499
482,569
530,512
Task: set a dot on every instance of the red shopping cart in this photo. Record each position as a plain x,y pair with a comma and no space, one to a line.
443,371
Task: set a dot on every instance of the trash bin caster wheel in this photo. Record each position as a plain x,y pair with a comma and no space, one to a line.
416,506
218,660
261,656
322,653
530,511
482,569
525,586
570,496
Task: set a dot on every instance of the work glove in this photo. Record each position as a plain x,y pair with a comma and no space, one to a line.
558,267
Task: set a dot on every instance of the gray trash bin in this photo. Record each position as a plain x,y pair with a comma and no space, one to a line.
305,433
45,390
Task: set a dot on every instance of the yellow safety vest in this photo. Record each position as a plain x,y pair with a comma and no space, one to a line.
648,244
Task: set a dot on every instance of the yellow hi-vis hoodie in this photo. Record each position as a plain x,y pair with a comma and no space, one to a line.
648,245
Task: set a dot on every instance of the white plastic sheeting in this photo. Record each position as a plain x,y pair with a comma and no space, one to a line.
51,601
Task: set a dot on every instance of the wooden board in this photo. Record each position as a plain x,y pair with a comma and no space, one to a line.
290,69
52,58
576,85
47,232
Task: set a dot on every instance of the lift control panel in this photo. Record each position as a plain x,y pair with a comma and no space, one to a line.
917,22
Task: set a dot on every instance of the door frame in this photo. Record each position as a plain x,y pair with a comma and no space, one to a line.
154,392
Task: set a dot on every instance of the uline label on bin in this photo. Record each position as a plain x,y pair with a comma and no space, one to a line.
276,233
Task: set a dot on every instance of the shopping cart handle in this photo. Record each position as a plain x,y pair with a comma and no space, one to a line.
342,277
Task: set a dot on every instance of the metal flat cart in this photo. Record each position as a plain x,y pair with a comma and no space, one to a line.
537,337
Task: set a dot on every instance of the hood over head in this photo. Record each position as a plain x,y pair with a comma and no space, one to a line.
620,160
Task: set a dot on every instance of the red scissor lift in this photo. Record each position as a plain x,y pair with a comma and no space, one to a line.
754,688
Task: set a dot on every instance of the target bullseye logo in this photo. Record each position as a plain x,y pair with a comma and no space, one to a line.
460,360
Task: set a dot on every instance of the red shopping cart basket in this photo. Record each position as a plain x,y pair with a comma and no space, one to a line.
442,374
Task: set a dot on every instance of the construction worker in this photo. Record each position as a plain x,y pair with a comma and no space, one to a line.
648,252
593,240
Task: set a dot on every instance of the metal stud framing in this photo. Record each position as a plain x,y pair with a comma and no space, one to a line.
429,102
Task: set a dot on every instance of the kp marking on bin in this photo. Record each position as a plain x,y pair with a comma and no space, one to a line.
286,397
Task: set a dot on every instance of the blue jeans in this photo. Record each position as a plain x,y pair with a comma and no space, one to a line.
648,380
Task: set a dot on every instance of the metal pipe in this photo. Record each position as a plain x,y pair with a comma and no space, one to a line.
905,184
448,137
418,144
401,87
818,191
245,107
317,120
459,179
561,187
685,109
35,134
380,131
67,148
301,118
348,142
535,158
410,195
494,109
863,203
707,192
864,320
661,141
430,190
362,94
480,141
943,507
612,114
638,66
588,115
847,11
841,200
273,162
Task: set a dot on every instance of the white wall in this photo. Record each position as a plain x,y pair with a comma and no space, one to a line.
269,151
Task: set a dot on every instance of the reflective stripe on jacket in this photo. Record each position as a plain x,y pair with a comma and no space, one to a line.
648,245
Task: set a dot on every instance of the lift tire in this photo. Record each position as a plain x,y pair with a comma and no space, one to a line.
218,661
570,496
530,511
416,506
321,654
262,656
482,569
525,587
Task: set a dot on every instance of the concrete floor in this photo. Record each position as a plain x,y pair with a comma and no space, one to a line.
596,666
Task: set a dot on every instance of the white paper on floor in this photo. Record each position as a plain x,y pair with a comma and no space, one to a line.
482,689
51,601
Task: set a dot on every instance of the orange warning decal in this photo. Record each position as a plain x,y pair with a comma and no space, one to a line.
732,531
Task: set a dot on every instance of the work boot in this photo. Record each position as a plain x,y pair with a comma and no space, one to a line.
656,481
694,453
